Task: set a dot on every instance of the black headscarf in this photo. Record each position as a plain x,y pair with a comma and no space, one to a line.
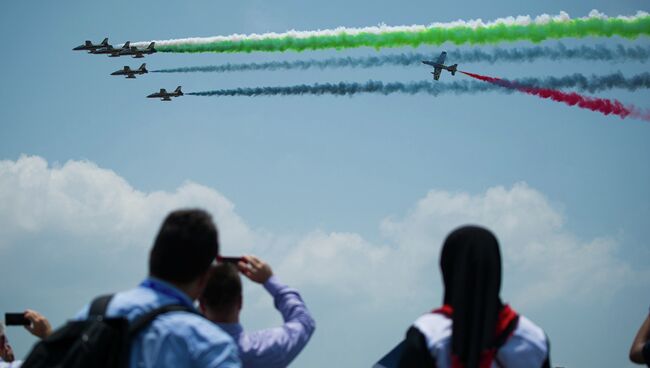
471,269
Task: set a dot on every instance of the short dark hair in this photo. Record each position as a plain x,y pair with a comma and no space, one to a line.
223,288
186,244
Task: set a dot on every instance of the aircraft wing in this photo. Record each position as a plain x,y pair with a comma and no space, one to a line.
436,73
166,98
442,57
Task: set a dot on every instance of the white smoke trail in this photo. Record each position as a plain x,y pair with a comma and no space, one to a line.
522,20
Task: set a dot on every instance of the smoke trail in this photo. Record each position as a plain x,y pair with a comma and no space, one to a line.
558,52
460,32
593,83
602,105
578,81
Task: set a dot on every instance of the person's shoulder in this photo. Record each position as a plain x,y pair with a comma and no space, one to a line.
193,326
205,344
434,326
527,347
129,303
528,331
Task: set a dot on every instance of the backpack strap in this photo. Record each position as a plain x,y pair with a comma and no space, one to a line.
99,305
142,321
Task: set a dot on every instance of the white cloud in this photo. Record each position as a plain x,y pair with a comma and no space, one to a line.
97,211
82,200
543,261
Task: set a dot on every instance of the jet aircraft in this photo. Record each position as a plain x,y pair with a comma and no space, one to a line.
438,66
136,52
166,96
110,49
130,73
90,47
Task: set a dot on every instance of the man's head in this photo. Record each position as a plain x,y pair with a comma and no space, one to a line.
185,246
222,297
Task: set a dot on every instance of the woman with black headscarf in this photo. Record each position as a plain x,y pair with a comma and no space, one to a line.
473,328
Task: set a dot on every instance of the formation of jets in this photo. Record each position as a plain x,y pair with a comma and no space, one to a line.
438,66
104,48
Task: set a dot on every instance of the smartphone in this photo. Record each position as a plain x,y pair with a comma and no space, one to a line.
16,319
234,260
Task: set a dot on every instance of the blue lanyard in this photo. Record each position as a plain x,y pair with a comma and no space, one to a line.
165,290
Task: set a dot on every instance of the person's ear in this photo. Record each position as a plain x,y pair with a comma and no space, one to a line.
203,280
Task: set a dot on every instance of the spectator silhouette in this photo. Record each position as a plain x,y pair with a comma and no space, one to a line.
179,265
270,348
473,328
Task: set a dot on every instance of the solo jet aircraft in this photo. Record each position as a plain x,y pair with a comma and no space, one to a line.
90,47
130,73
438,66
136,52
166,96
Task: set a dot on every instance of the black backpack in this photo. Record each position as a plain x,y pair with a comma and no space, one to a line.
97,341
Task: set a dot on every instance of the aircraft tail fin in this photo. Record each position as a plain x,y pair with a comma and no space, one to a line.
453,69
151,45
127,45
105,41
178,90
143,67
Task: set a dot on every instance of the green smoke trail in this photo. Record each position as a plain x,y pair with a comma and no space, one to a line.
494,33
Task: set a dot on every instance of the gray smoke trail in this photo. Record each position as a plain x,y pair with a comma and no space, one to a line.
578,81
528,54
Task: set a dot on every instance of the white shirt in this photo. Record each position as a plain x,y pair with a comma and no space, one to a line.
526,348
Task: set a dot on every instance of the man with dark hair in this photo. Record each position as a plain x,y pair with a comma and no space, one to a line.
222,301
179,266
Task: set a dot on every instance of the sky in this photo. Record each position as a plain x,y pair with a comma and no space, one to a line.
348,198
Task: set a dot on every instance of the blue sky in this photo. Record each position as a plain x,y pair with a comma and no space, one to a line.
367,186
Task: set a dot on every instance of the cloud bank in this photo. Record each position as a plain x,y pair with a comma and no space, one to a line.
96,213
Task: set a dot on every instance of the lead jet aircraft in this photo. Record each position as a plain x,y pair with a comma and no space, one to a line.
131,73
110,49
90,47
136,52
438,66
166,96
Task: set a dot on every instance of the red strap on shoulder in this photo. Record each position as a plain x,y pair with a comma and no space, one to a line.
507,317
445,310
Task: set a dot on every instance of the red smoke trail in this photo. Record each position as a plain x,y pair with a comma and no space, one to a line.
602,105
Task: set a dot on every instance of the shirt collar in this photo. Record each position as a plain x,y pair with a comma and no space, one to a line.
232,329
165,288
